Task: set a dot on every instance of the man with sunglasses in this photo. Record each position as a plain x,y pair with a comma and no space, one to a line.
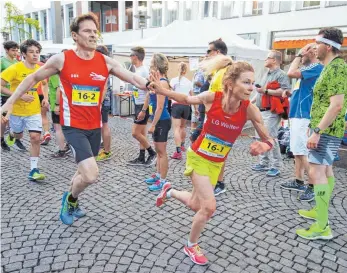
327,129
271,161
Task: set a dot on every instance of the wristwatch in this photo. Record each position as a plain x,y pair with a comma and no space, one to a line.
143,110
299,55
316,130
57,104
148,83
266,92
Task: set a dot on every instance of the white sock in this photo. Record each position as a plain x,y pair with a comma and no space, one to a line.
168,193
190,244
162,180
33,162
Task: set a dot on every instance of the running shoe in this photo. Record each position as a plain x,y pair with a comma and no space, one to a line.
260,168
35,175
103,156
19,145
195,254
309,214
78,212
162,197
136,162
154,178
46,139
293,185
308,195
315,232
183,149
4,146
67,210
67,149
157,186
151,160
273,172
59,154
219,189
10,140
176,155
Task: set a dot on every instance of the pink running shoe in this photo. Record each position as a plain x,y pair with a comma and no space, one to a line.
177,155
162,197
195,254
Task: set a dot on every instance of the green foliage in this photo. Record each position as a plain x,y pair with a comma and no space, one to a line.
15,20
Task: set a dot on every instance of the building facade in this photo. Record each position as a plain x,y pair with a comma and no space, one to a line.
283,25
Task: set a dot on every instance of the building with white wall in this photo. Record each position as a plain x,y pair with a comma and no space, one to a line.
284,25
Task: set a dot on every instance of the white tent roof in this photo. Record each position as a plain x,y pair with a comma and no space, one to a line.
55,48
191,38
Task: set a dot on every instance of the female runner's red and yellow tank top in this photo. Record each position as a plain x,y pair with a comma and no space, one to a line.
82,87
220,130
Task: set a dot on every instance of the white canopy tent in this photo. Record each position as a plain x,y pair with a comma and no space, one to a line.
54,48
191,38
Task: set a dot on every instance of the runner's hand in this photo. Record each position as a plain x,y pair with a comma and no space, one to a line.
6,108
45,104
258,148
313,140
27,98
151,129
141,116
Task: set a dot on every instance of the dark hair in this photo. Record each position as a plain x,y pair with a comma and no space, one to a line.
75,24
28,43
220,45
333,34
102,49
10,44
139,52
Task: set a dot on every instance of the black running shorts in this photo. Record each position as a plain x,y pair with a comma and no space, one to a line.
84,143
179,111
55,118
138,109
104,113
161,131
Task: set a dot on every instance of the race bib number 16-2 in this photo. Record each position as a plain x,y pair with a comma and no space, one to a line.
85,95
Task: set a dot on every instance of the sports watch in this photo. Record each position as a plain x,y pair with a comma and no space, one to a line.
317,130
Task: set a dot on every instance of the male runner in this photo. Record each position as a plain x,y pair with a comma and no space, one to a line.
83,73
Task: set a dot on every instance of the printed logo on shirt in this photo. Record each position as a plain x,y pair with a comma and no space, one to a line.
74,75
97,77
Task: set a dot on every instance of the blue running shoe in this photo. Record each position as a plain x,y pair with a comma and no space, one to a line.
293,185
260,168
308,195
78,212
67,210
157,186
273,172
35,175
154,178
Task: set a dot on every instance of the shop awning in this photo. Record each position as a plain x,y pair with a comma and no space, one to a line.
285,44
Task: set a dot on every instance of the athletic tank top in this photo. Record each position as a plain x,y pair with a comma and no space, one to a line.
220,130
82,87
153,105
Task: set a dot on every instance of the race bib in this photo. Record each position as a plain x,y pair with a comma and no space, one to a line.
136,94
214,147
297,85
85,95
150,108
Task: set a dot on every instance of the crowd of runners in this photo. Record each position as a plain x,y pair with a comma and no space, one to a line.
74,85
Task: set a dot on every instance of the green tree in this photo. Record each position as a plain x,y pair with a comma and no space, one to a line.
15,21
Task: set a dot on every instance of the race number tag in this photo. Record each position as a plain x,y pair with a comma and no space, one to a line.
136,94
214,147
85,95
150,108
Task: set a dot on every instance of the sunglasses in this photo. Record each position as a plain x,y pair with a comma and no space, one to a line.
270,58
132,54
210,50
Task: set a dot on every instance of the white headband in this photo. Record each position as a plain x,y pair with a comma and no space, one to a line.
327,41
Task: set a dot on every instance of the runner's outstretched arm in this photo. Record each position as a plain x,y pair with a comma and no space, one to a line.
253,114
51,67
119,71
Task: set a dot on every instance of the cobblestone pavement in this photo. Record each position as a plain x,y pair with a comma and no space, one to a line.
253,229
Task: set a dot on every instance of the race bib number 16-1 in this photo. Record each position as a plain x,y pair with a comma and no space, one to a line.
214,147
85,95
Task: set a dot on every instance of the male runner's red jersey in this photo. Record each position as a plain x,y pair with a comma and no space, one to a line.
82,86
220,130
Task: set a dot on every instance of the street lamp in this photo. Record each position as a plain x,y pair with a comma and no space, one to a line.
142,22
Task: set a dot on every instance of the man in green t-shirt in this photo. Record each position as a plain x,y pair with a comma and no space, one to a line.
327,129
11,49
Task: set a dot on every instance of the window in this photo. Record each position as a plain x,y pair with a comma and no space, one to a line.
157,9
215,9
128,15
253,8
44,31
29,26
107,14
190,6
142,7
335,3
254,37
36,17
307,4
228,9
172,11
206,8
280,6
